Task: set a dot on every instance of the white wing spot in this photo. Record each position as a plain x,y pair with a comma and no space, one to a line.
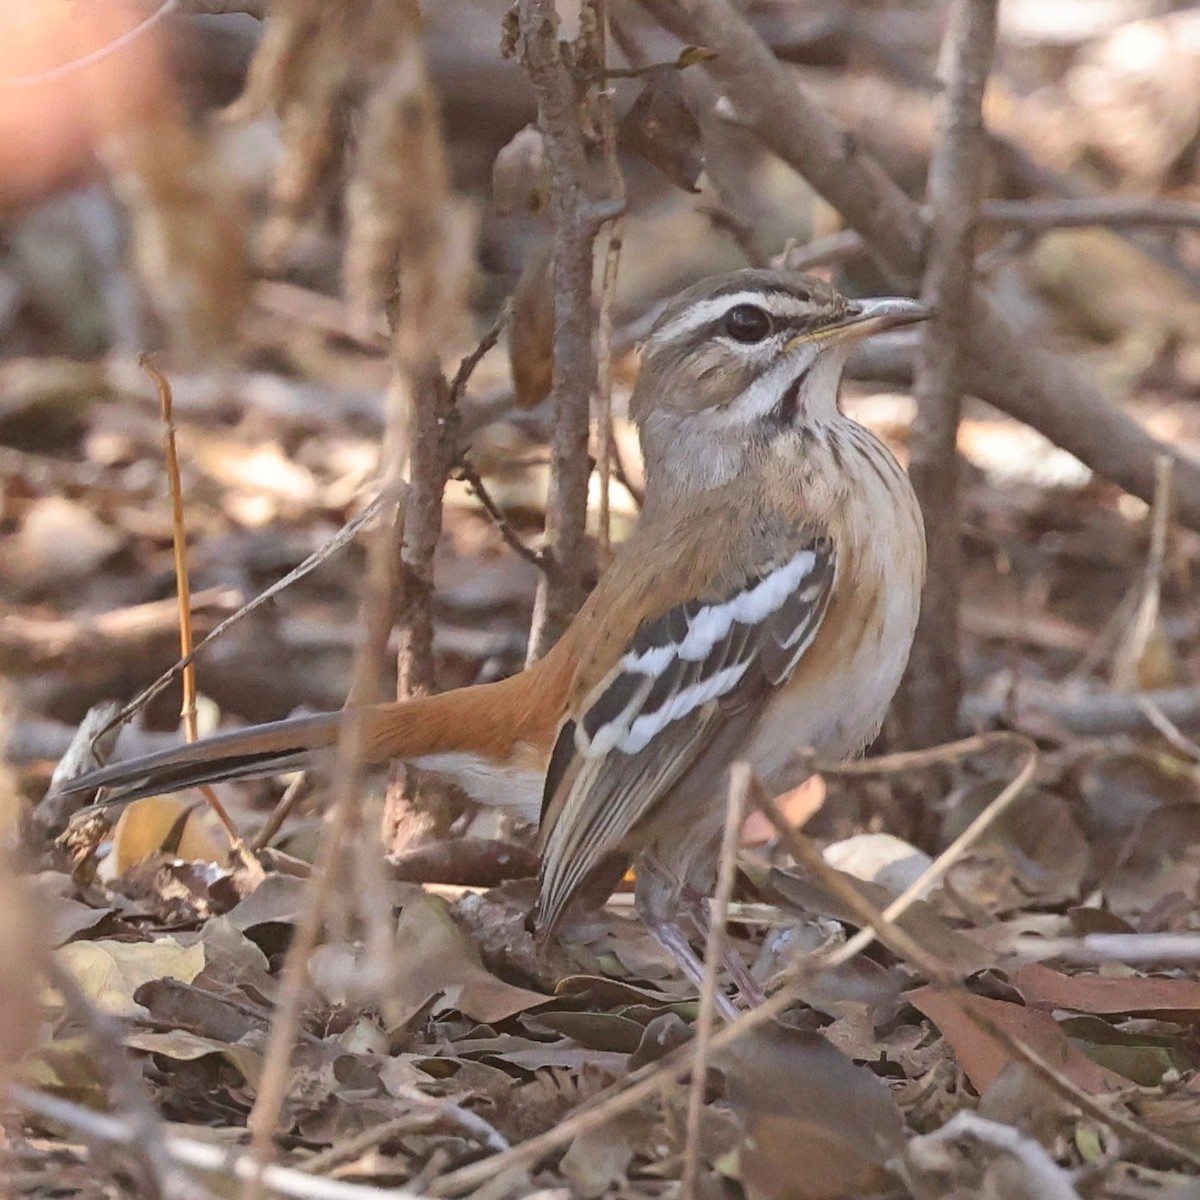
646,727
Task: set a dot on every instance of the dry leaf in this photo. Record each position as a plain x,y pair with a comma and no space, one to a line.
817,1125
110,972
1172,999
982,1057
439,963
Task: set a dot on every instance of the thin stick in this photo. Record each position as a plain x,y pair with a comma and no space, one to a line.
1128,655
578,215
200,1156
465,470
183,590
740,777
280,813
608,284
1114,212
642,1085
1169,730
285,1024
393,494
604,465
889,934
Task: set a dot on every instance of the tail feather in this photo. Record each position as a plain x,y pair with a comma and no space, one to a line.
471,735
241,754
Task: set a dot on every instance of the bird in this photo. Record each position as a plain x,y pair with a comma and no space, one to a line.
765,604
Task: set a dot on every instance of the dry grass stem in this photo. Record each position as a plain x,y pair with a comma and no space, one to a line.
805,852
183,590
285,1024
740,779
391,495
1136,637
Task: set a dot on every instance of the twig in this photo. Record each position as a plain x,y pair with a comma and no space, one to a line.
280,813
183,589
645,1083
471,1123
465,470
273,1084
1169,730
200,1156
1111,947
1018,377
929,697
1131,649
578,212
740,777
1023,217
1036,216
889,934
1091,713
832,250
608,284
389,495
54,74
466,368
604,418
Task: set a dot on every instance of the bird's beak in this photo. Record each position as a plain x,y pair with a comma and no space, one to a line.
866,317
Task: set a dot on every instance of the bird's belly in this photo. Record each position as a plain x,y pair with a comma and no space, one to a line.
517,789
838,714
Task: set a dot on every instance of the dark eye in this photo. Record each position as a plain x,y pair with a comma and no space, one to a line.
747,323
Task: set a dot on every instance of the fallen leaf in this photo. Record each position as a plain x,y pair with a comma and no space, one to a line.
817,1125
110,972
1154,996
439,963
982,1056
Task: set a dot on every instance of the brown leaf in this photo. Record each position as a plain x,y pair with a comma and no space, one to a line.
520,180
982,1056
531,331
440,963
817,1125
1177,999
661,128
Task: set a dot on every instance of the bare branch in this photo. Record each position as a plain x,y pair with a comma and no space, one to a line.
1115,212
578,207
929,698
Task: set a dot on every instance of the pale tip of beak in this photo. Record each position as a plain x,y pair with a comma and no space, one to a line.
890,312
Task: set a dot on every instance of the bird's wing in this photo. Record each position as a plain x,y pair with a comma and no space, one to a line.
680,682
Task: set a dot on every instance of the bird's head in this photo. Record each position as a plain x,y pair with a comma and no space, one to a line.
739,359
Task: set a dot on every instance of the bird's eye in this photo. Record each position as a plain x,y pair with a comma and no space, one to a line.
747,323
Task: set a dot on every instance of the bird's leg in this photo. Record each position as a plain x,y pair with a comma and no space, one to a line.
748,987
656,897
674,941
